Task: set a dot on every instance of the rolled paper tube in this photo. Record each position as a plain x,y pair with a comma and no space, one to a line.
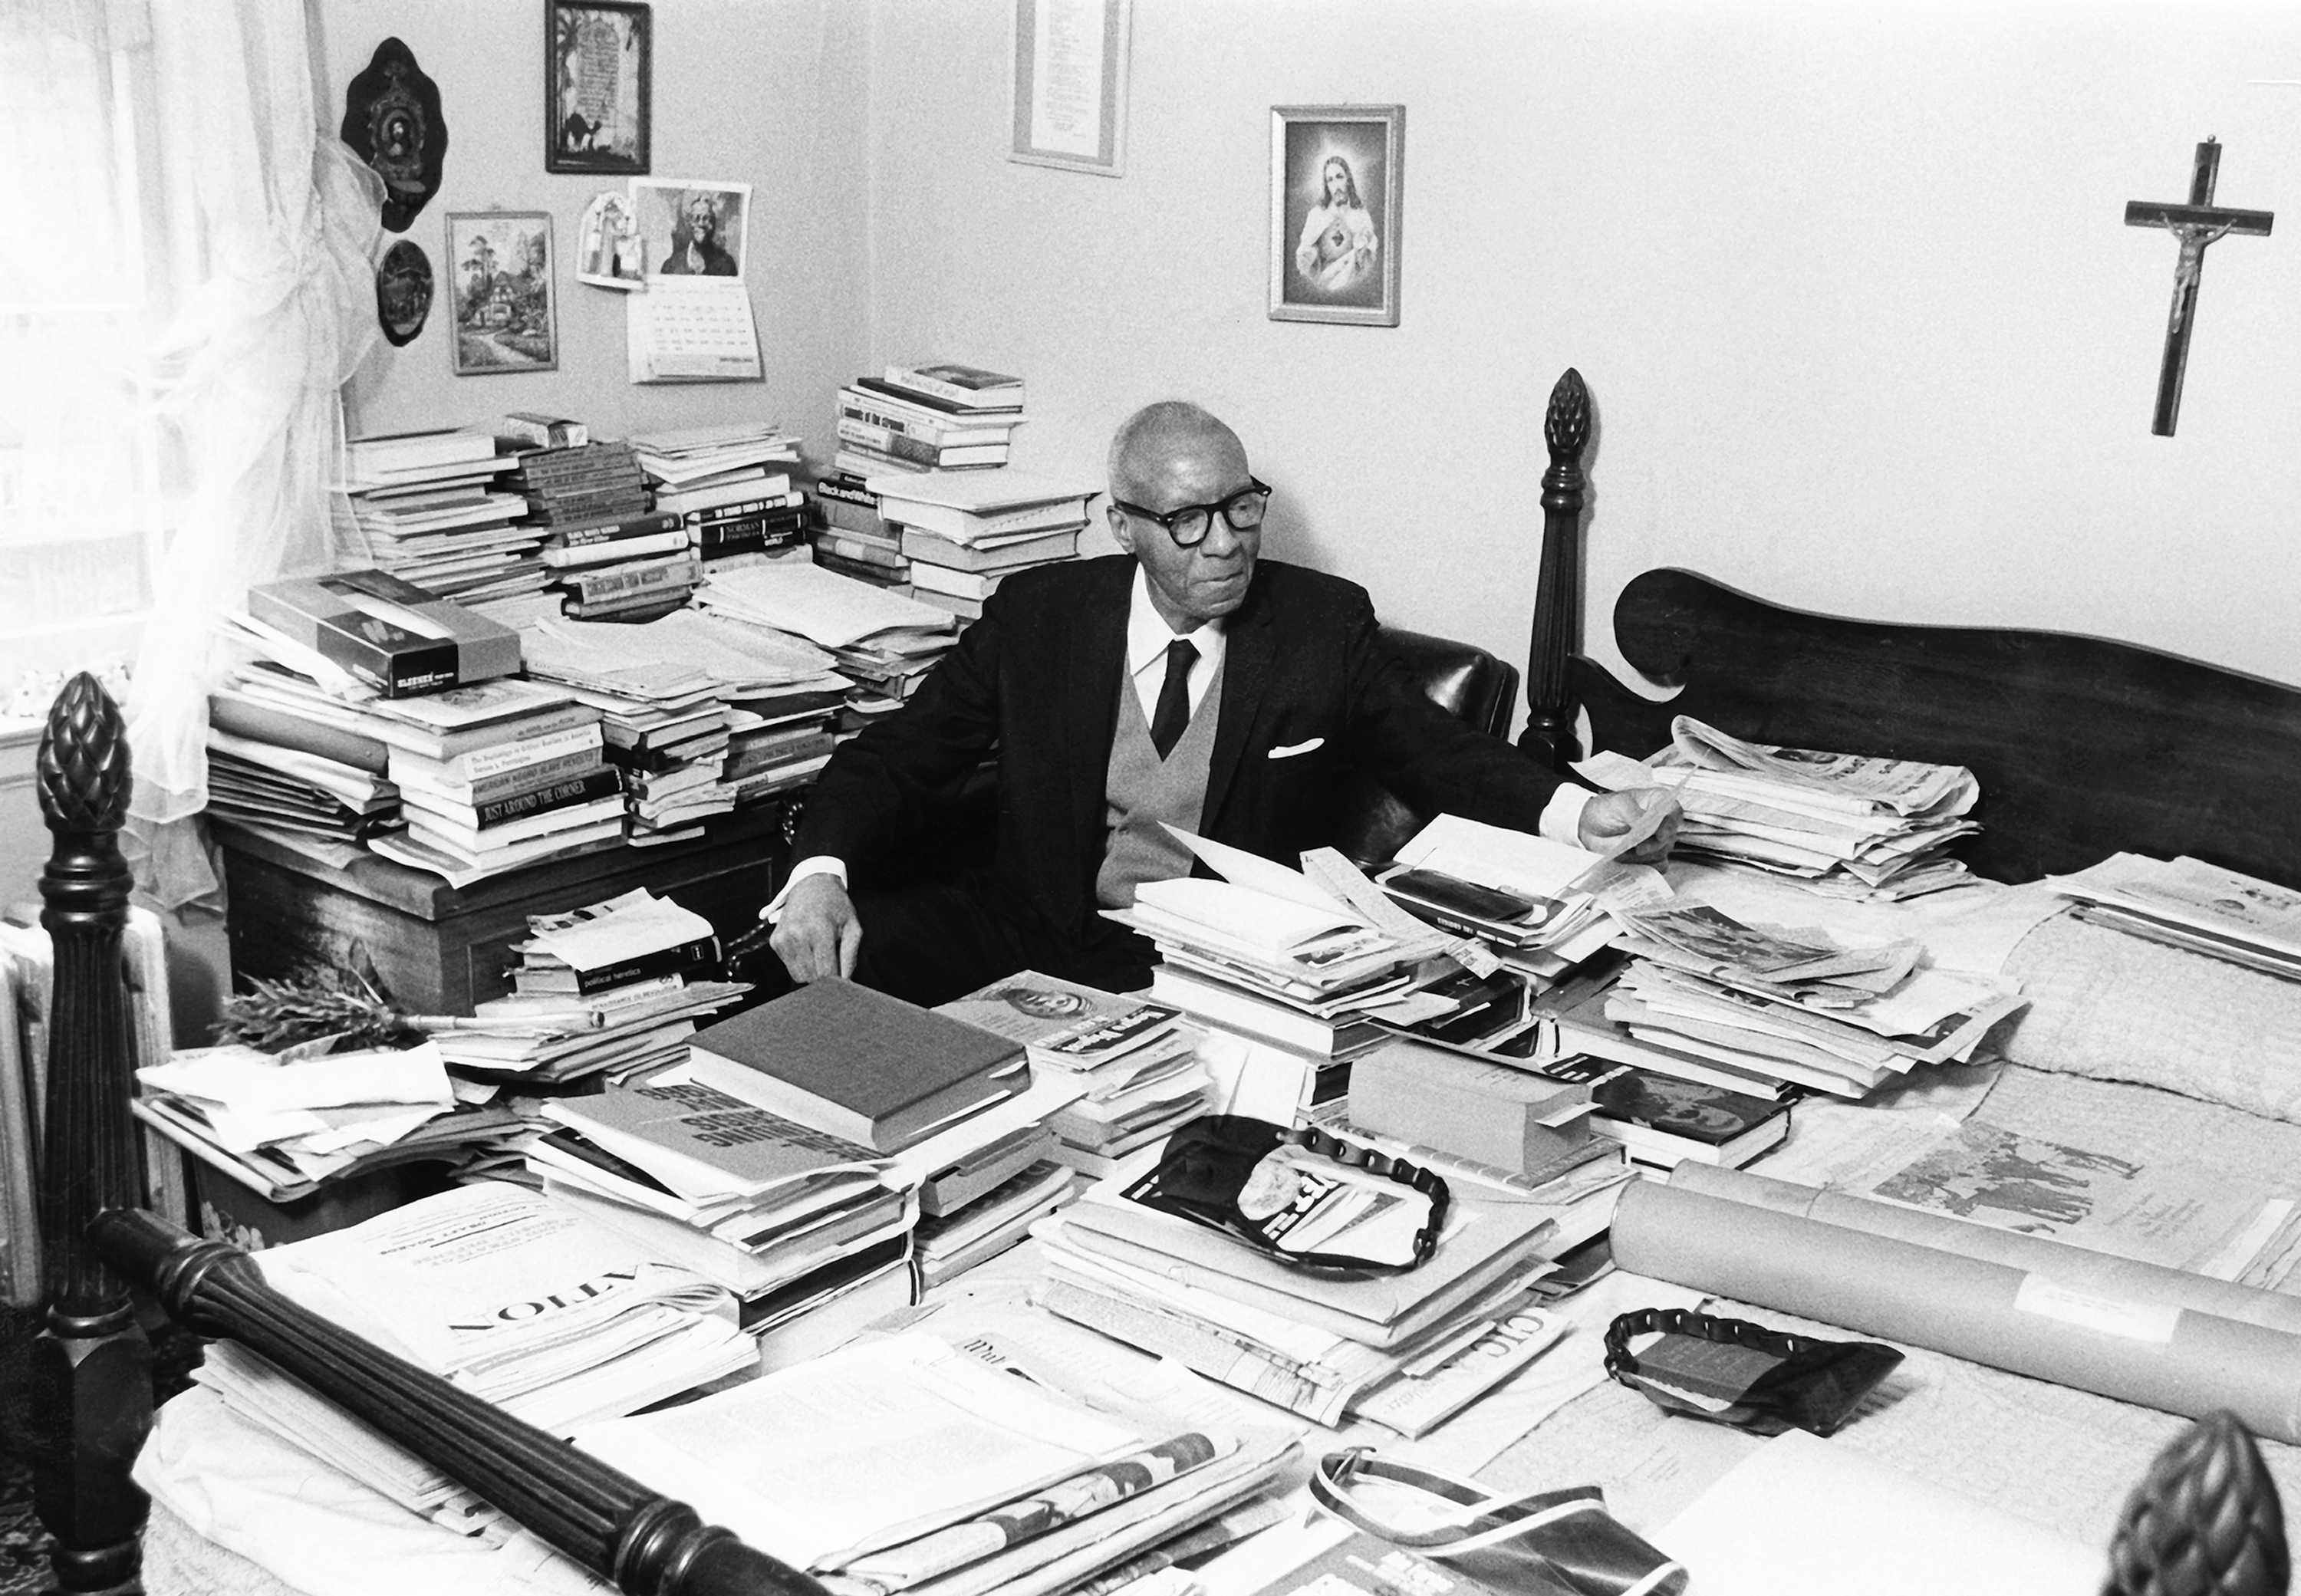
2032,1322
2082,1268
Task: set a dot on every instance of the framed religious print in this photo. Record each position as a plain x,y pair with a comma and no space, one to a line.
595,86
1336,184
500,262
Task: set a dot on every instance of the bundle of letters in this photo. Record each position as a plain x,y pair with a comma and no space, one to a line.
612,989
704,713
729,485
503,1292
1760,1009
1136,1062
1851,825
2189,903
426,507
880,640
282,1126
1405,1350
912,1463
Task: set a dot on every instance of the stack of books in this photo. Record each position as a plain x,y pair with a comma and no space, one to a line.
729,485
630,941
1661,1121
1763,1011
604,548
1849,824
1136,1062
254,779
934,416
964,532
853,539
497,776
1405,1350
881,641
425,506
285,1127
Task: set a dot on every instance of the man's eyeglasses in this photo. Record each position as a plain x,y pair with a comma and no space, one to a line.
1189,525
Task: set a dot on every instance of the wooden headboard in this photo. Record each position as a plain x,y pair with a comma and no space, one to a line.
2083,745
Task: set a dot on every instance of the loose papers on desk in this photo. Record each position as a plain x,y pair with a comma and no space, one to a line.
1849,822
2189,904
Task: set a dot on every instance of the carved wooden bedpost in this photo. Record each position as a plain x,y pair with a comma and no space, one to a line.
92,1367
1549,734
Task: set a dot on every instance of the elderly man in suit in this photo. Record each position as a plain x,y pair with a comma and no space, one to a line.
1189,682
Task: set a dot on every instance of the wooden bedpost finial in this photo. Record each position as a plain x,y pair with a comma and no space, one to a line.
2204,1521
1549,737
1567,426
91,1375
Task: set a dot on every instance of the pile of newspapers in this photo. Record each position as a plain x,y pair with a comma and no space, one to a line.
1849,824
501,1292
2189,903
1761,1009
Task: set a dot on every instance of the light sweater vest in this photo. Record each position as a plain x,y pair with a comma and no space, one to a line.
1140,789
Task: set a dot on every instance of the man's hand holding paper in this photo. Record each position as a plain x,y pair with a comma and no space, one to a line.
1636,825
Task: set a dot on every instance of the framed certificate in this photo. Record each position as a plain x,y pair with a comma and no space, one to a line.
1070,84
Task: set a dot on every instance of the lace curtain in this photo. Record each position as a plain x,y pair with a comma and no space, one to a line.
216,299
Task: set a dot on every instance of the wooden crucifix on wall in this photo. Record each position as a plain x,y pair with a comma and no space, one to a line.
2195,224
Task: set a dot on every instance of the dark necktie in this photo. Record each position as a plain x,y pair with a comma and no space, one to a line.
1175,698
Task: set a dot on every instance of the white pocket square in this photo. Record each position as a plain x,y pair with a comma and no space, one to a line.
1293,749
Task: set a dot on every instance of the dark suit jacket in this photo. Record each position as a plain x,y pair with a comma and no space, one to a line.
1038,676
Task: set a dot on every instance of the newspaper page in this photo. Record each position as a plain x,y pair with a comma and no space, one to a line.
1905,786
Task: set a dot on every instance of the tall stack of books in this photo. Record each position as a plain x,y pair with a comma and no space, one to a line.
882,641
425,507
497,776
1763,1011
853,539
964,532
606,550
730,486
1848,825
934,416
1405,1350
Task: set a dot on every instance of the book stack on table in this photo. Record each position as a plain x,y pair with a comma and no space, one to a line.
1849,825
789,1155
962,533
610,990
1533,904
427,507
1136,1062
729,487
852,539
1404,1350
606,550
931,416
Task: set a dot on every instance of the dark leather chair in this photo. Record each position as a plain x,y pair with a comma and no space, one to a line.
1459,677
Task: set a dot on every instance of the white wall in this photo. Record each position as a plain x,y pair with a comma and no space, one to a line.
1850,284
767,93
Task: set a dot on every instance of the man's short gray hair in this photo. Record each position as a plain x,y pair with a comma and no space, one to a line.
1169,421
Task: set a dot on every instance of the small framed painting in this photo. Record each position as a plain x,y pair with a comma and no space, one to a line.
1070,84
595,86
500,264
1336,186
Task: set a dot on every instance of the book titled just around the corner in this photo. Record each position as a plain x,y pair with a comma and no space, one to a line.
858,1063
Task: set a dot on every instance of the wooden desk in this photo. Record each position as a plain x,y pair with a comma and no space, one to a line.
433,949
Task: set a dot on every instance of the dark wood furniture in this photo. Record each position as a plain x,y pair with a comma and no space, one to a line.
434,949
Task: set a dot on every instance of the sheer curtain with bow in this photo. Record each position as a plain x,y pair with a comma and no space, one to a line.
186,286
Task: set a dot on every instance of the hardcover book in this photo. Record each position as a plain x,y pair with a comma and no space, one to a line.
858,1063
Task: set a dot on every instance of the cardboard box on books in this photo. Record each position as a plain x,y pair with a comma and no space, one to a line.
1470,1108
858,1063
388,632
